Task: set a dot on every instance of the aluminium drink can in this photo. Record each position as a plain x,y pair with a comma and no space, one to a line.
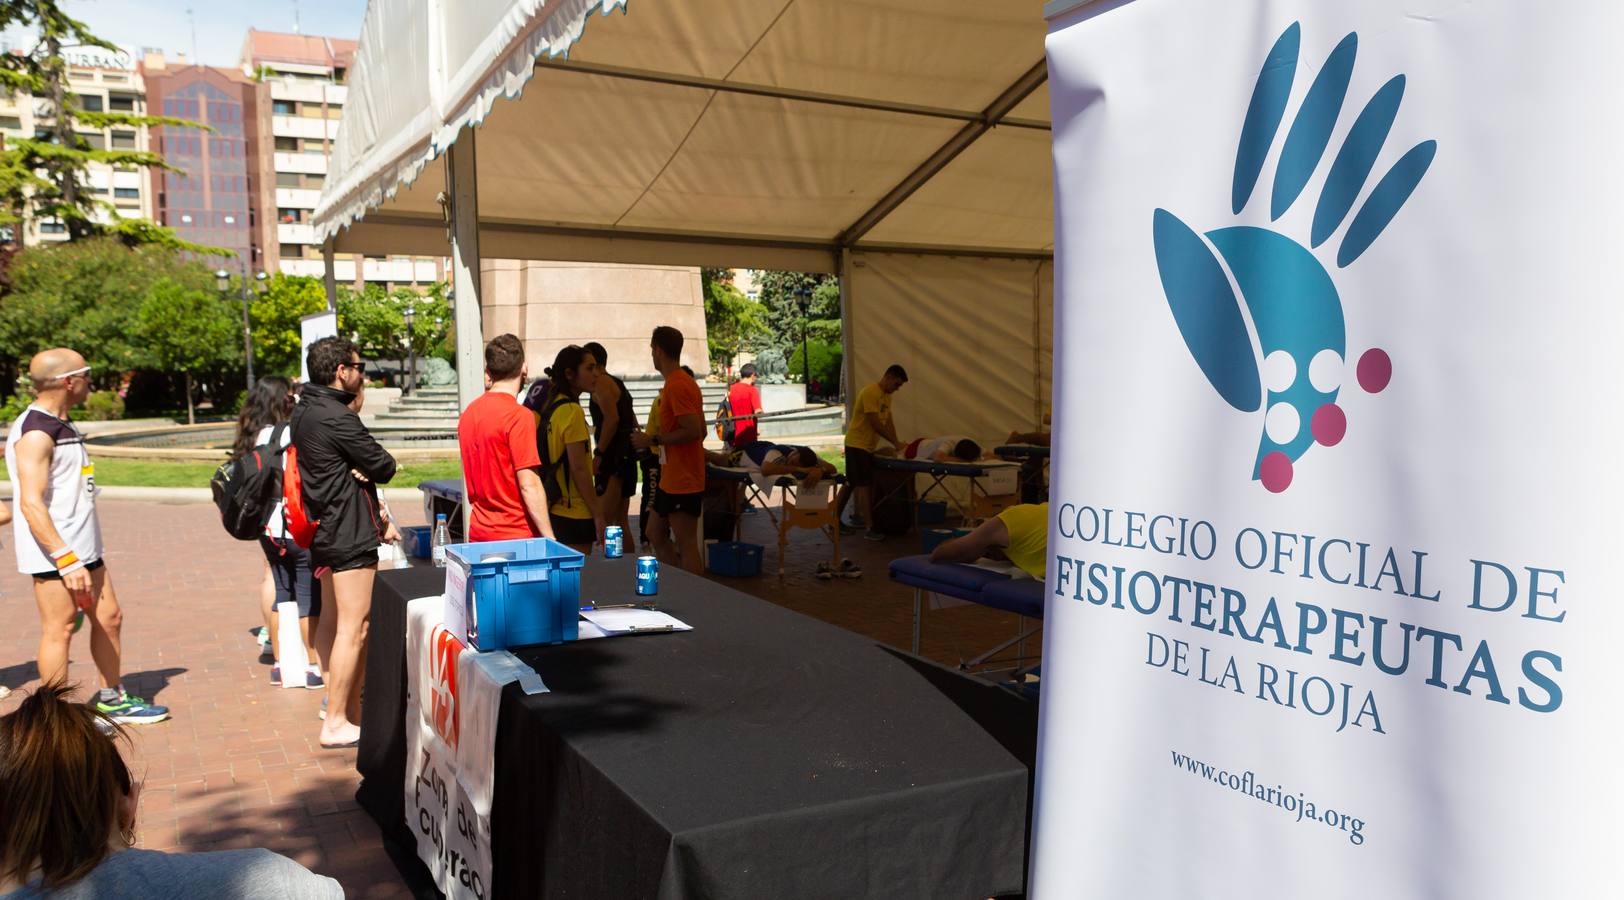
648,576
611,542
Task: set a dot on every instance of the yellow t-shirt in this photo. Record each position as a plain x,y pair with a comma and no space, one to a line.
860,433
1028,527
568,426
652,426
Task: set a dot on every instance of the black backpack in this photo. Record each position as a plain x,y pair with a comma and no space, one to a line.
726,428
247,489
550,466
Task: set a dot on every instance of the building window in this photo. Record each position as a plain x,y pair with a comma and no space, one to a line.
291,251
288,216
287,145
121,102
126,193
315,181
49,226
284,108
288,180
96,141
315,145
91,102
11,122
123,140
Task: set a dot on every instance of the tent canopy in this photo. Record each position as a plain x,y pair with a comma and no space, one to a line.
770,133
864,137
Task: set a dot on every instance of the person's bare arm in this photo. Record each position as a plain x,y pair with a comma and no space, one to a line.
607,393
534,496
883,428
582,473
34,451
988,539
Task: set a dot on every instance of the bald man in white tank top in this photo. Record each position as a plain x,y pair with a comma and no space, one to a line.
58,538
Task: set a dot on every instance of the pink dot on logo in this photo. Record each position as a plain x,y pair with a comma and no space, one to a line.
1329,424
1375,370
1275,472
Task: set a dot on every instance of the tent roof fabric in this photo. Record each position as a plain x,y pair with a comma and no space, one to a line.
757,125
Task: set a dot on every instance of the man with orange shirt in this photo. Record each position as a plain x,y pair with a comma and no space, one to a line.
679,500
500,462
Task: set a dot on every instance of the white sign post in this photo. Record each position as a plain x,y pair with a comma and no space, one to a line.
313,328
1333,568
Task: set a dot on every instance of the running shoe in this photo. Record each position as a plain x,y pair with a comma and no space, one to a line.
846,528
132,710
849,569
313,681
872,535
263,635
323,713
825,572
276,676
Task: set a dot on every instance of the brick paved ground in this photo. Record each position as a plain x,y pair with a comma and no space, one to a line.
238,766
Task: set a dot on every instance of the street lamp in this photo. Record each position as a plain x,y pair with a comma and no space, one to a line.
803,297
222,281
411,349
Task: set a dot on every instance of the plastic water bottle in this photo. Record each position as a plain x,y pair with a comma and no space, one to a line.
442,537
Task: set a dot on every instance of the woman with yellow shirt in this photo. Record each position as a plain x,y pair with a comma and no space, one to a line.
1019,534
562,436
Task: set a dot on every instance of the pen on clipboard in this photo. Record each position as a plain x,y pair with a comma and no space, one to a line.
593,607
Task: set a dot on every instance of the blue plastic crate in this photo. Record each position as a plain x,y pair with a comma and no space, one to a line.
930,537
418,541
932,512
531,596
735,559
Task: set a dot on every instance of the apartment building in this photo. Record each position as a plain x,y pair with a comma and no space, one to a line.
220,195
304,75
99,81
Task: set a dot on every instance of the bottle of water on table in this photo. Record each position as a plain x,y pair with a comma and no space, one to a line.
442,537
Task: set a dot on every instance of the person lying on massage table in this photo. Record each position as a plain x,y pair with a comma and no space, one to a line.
768,460
947,448
1019,534
1036,438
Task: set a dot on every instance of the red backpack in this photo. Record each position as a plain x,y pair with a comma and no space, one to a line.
300,527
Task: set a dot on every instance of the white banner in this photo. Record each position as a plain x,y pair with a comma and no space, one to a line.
1333,607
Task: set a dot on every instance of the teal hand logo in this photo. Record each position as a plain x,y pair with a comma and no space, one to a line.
1296,368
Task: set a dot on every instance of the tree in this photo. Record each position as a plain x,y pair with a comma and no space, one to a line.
732,322
274,318
376,320
781,297
87,295
186,329
45,176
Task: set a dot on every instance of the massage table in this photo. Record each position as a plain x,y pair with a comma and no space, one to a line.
816,511
1033,458
994,484
973,584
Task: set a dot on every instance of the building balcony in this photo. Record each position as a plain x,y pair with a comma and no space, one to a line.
308,163
395,270
297,198
303,127
303,90
295,234
343,269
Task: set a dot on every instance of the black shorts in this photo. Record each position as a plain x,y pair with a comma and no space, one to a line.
54,575
575,532
358,559
625,467
290,571
688,504
859,467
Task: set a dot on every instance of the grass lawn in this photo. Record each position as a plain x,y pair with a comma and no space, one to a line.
144,473
836,457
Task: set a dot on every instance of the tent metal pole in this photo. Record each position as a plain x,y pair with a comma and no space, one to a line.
777,93
329,281
993,115
847,375
463,191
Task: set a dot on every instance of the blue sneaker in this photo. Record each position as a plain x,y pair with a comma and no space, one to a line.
314,681
132,710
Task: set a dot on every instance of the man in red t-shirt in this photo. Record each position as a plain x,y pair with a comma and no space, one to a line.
500,462
679,500
744,399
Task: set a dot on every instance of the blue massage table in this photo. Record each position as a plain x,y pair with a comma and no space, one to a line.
983,503
789,513
1033,459
1022,596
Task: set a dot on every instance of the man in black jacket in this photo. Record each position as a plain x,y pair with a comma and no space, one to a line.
340,466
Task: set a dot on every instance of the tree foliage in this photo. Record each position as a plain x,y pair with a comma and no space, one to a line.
733,322
825,369
376,320
187,329
45,176
274,316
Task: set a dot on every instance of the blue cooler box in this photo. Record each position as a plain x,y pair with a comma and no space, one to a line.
735,559
930,537
531,597
418,541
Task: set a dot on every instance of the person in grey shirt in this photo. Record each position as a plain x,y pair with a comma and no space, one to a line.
68,804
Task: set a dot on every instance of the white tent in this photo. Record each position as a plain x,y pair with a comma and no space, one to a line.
901,143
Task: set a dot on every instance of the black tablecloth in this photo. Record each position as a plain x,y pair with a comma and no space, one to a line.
764,754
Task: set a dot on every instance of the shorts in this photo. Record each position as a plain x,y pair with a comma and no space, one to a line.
859,467
688,504
572,531
54,575
623,466
290,572
359,559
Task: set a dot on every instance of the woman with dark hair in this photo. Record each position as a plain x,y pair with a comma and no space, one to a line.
566,461
263,420
69,804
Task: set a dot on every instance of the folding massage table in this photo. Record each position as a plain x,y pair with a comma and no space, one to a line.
1022,596
994,485
815,514
1033,458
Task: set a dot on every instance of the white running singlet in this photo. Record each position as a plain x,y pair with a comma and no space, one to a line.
70,493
